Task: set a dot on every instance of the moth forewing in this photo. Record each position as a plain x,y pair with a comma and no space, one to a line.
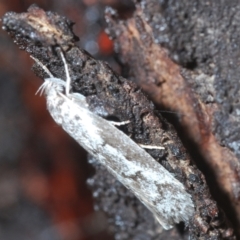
161,193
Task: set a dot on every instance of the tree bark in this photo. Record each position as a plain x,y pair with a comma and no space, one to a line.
174,58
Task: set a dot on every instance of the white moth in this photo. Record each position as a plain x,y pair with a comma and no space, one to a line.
156,188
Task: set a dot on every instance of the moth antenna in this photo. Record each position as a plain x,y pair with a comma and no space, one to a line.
43,86
68,79
42,66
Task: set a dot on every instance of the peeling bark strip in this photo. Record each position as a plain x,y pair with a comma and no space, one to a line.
161,78
110,95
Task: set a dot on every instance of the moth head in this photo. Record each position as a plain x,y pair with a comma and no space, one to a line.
52,84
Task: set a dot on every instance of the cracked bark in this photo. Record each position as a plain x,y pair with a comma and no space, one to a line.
39,33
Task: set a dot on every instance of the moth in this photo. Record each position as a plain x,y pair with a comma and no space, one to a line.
152,184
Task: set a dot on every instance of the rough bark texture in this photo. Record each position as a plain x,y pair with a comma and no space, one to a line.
205,92
138,44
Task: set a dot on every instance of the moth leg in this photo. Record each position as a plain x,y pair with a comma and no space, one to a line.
119,123
150,146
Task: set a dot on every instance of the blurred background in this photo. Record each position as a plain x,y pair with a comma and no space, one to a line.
43,191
